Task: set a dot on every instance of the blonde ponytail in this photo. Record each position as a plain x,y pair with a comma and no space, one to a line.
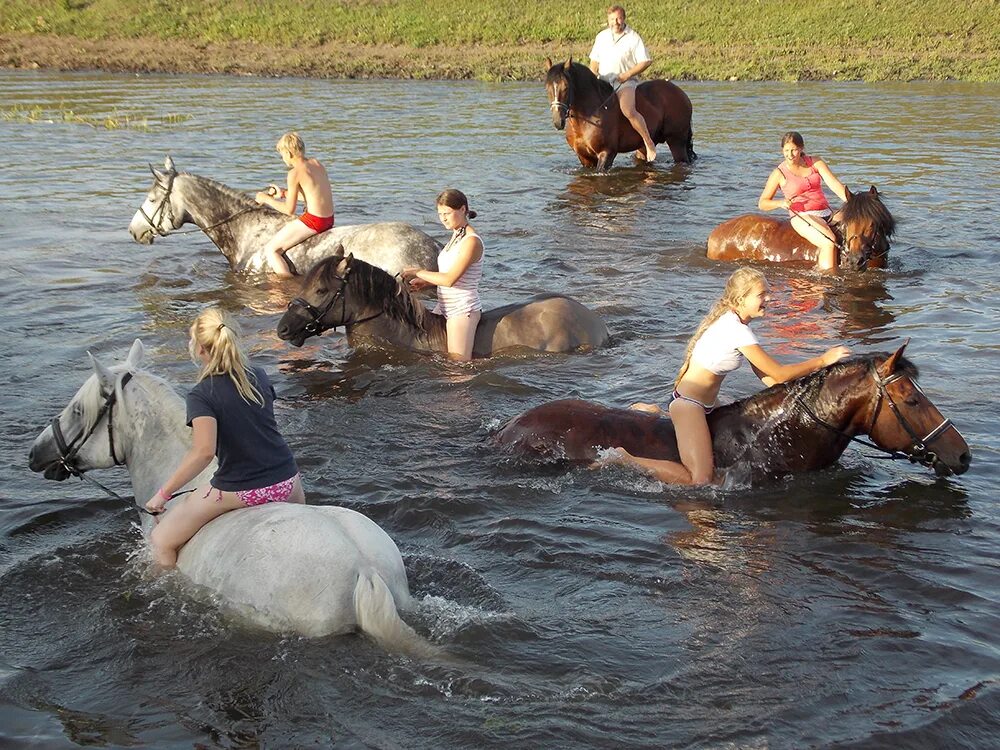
738,285
219,335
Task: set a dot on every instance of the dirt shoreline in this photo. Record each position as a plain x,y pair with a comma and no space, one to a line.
524,62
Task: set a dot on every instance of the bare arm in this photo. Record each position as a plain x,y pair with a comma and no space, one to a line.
634,70
469,250
766,201
286,202
830,179
595,65
771,372
203,438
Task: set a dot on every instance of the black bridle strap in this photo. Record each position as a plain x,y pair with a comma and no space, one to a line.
160,209
316,327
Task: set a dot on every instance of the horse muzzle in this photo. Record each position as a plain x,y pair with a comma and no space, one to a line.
49,466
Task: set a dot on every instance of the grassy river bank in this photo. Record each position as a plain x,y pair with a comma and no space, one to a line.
712,40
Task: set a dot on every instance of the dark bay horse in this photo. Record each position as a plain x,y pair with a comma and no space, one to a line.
587,108
863,227
240,227
374,306
798,426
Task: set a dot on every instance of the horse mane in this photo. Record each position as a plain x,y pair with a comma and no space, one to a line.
580,75
372,283
809,386
866,206
241,198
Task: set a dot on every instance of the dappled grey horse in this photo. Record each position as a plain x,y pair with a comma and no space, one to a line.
314,570
374,306
240,227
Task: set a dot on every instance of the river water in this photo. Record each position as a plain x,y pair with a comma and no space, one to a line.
855,607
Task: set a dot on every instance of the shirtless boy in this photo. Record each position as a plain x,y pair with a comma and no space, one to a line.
305,176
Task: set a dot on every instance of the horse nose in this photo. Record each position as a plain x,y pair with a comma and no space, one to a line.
964,461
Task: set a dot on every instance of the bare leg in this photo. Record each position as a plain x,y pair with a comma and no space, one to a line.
186,517
816,231
462,335
286,238
626,99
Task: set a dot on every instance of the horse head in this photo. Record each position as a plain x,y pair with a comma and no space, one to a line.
316,307
559,86
866,226
161,212
902,419
87,422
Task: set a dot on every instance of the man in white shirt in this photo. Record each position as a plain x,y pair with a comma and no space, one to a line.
618,57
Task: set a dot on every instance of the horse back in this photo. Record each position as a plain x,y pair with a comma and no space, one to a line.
546,322
758,237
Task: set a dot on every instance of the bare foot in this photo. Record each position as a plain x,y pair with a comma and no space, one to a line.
609,457
640,155
650,153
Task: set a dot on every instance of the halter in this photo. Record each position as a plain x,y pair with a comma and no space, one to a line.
316,327
918,450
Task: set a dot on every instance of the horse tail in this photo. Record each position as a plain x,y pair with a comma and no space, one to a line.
377,617
691,155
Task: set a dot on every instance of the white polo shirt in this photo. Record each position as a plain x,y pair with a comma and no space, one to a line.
618,54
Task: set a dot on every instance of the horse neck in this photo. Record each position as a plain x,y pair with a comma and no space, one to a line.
427,334
150,425
781,430
223,216
587,98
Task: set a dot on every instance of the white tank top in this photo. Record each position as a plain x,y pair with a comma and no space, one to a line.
717,349
463,297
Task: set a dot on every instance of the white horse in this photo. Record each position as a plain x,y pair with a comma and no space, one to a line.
314,570
240,227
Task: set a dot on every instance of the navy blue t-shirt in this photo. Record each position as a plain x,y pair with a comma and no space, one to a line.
251,452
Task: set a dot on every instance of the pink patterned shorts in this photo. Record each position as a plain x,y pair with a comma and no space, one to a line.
275,493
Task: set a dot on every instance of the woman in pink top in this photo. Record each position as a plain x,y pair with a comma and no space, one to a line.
721,343
460,268
799,177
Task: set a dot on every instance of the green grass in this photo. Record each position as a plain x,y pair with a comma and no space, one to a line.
114,121
746,39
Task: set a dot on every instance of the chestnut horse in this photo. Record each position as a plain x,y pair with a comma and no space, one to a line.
802,425
863,227
587,109
374,306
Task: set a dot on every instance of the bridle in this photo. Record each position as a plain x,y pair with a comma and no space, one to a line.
868,250
316,327
69,450
918,450
165,206
565,108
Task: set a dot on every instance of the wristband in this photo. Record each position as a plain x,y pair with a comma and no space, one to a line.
164,495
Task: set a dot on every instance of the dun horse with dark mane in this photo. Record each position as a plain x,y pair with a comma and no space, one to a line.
587,109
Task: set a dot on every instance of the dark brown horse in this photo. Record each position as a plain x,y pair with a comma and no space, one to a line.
587,108
799,426
374,306
863,227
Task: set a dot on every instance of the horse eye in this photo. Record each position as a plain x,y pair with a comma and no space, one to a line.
912,401
322,290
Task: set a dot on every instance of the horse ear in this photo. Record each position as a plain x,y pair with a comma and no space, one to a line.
104,376
135,355
872,190
548,64
157,173
889,366
344,264
168,164
569,64
847,192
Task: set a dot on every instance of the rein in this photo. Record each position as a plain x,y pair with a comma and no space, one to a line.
316,327
918,450
868,250
565,108
68,451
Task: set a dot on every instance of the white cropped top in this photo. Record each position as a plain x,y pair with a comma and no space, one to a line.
717,350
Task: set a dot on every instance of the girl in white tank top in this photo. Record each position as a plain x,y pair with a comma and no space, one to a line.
460,268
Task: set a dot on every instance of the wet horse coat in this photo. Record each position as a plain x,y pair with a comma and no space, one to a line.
240,227
799,426
863,228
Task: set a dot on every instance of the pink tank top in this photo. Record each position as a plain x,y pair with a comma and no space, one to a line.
805,193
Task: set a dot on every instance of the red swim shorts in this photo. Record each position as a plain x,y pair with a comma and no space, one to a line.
316,223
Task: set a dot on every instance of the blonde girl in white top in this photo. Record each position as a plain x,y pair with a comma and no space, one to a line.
717,348
460,266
